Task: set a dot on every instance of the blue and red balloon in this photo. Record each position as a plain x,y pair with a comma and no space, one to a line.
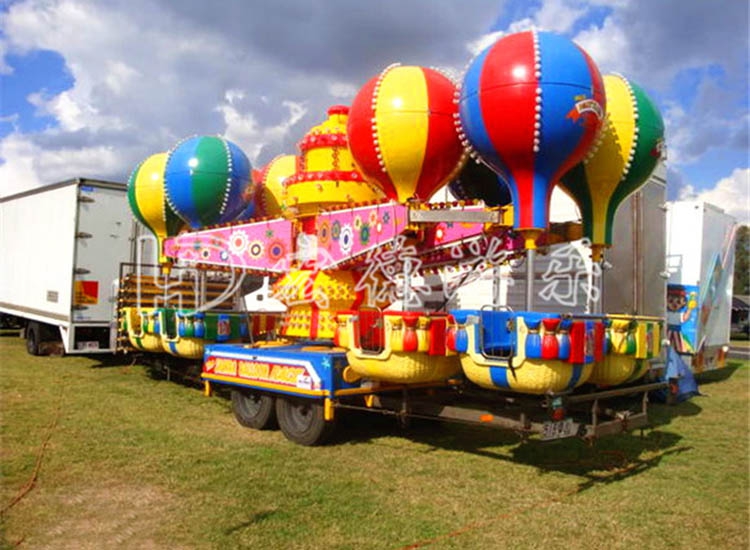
530,106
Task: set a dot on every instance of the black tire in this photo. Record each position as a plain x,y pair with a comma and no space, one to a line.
302,421
254,409
33,338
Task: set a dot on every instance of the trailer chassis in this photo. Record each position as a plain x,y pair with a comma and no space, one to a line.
587,416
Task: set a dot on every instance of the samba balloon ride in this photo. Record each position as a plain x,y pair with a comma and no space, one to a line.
345,226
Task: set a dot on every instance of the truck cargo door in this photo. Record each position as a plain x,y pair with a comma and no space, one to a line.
102,242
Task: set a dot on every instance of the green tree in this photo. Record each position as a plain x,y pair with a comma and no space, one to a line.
742,261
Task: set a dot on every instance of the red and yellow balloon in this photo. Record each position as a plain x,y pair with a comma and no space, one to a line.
402,132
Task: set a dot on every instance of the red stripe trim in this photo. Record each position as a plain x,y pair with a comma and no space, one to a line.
361,144
314,309
324,175
508,85
359,295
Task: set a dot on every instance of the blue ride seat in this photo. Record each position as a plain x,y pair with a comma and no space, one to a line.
498,336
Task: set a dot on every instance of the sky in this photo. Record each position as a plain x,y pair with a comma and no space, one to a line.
89,88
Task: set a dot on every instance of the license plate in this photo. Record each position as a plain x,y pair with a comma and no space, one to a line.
88,345
559,430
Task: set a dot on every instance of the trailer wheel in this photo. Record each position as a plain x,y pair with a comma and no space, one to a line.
302,420
254,409
33,339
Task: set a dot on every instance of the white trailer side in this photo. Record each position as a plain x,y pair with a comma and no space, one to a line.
700,261
62,246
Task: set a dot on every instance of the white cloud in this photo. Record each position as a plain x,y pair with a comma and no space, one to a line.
342,90
477,46
234,95
119,77
559,15
26,165
4,67
678,132
144,77
554,15
91,40
609,46
10,119
17,171
243,129
731,194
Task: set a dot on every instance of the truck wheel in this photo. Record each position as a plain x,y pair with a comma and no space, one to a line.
33,331
302,420
253,409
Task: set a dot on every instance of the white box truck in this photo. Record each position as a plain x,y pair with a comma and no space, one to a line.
700,261
61,248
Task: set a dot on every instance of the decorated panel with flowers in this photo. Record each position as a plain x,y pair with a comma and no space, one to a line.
261,246
346,234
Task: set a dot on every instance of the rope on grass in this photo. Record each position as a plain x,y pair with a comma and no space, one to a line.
478,524
31,483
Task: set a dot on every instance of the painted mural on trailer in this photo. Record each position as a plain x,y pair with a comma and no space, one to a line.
682,317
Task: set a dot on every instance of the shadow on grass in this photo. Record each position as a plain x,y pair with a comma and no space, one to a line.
718,375
113,360
606,460
186,372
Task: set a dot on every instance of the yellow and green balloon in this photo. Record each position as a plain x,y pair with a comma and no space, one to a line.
629,147
148,201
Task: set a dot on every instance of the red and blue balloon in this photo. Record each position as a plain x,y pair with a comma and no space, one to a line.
530,106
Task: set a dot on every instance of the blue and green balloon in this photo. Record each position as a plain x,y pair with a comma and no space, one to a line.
208,181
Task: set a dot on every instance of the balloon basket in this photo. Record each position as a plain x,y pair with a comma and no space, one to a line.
138,324
526,352
397,346
181,333
631,341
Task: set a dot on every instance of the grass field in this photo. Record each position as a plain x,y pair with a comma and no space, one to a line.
105,456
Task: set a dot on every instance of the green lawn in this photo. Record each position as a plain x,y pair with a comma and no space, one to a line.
123,460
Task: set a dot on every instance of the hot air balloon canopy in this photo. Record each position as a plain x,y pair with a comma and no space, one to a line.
629,147
270,185
531,105
402,134
476,181
207,180
148,202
